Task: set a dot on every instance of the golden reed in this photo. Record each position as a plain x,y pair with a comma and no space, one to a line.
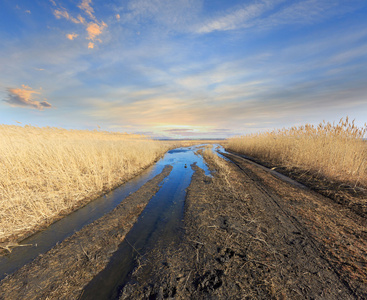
335,151
45,172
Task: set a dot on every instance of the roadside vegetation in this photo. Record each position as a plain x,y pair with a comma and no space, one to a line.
46,173
336,152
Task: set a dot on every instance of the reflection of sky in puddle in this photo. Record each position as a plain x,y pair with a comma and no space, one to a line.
185,156
58,231
161,220
220,149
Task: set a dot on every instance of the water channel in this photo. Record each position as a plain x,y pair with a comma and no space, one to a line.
161,219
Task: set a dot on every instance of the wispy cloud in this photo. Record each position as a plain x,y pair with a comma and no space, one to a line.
236,18
88,9
164,16
62,13
94,28
197,132
268,14
231,65
25,97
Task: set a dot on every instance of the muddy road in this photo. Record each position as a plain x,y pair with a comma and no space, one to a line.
240,231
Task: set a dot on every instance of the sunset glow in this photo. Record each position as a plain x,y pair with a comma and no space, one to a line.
184,68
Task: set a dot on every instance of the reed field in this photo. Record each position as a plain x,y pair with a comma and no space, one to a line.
337,152
48,172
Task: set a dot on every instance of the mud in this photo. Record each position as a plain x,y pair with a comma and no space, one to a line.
250,235
351,197
247,234
62,272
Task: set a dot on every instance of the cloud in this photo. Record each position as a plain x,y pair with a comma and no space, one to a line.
267,14
94,28
197,132
236,18
178,130
72,36
24,97
62,13
164,16
222,129
85,6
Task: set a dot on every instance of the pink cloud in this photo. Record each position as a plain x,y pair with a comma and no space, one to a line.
71,36
24,97
85,6
62,13
94,28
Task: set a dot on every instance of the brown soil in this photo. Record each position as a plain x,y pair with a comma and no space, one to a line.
352,197
248,234
251,235
62,272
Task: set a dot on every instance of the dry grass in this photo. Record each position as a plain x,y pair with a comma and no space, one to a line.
214,160
47,172
334,151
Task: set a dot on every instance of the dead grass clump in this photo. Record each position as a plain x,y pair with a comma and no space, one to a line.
45,172
216,161
335,151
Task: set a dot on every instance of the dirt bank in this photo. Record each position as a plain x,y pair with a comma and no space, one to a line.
10,241
251,235
352,197
248,234
62,272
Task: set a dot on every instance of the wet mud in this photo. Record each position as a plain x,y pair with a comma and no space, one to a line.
243,233
15,255
62,272
250,235
351,197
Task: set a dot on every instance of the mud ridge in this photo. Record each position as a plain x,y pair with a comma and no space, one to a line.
330,222
250,235
353,198
62,272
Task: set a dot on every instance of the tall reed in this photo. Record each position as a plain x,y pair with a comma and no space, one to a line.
45,172
335,151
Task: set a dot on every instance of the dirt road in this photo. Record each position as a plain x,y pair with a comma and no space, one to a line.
247,235
62,272
252,235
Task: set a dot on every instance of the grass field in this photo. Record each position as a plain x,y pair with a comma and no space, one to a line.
335,151
48,172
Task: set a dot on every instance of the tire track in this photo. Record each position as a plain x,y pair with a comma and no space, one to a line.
268,194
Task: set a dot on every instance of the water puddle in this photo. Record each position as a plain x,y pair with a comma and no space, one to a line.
58,231
44,240
220,150
162,220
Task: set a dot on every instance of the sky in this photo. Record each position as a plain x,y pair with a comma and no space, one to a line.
182,68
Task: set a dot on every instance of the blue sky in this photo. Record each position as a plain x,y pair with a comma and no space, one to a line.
182,68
